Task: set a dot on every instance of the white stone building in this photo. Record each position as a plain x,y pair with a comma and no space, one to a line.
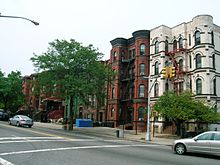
193,48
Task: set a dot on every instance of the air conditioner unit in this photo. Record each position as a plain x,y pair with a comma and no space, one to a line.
142,73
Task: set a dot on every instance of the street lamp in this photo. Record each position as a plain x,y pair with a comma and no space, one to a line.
6,16
148,137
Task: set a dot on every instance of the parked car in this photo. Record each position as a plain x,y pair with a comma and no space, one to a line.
3,115
207,143
21,120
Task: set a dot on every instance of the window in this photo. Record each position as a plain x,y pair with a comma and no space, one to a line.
174,45
180,43
213,61
190,61
156,90
181,64
141,114
142,49
180,87
206,136
198,86
166,63
112,112
189,39
212,38
156,47
166,46
114,57
156,68
141,91
198,61
214,86
190,85
113,93
142,69
197,38
216,136
166,86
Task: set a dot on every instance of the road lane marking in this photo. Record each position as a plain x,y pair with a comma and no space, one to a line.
75,148
25,138
47,140
5,162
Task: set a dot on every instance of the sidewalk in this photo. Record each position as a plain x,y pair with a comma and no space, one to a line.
162,139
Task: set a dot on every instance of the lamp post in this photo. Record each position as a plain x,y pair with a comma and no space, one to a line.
6,16
148,137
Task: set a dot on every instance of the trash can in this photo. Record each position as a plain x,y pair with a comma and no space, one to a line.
119,133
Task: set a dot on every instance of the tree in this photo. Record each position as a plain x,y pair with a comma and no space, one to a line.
11,96
183,107
75,69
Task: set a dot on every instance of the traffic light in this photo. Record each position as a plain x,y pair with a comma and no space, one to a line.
165,72
172,71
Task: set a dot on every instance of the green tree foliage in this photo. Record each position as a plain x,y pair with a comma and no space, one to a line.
11,96
75,69
183,107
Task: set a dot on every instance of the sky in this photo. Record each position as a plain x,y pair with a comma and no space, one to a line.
95,22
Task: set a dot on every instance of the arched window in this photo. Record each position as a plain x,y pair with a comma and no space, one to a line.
198,86
166,46
181,64
142,49
141,114
197,38
114,56
156,47
141,91
156,90
174,45
142,69
213,61
180,43
214,86
156,68
198,61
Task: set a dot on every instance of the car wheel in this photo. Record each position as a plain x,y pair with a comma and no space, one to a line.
17,124
30,126
9,122
180,149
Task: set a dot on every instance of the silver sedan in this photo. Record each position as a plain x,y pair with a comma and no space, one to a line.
207,142
21,120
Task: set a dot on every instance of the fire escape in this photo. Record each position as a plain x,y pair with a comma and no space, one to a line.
180,69
126,87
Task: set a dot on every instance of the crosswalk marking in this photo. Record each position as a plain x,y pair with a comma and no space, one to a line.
75,148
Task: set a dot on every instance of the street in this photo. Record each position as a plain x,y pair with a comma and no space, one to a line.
40,146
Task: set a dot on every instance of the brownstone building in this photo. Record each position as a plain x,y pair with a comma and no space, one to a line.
127,95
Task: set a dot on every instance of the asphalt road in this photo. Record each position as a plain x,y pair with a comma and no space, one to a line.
40,146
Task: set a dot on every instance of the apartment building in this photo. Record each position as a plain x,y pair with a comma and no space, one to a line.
127,94
192,48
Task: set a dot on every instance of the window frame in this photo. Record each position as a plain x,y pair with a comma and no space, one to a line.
156,50
198,86
141,90
197,38
142,49
198,61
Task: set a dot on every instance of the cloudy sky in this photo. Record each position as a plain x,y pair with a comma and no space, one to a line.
87,21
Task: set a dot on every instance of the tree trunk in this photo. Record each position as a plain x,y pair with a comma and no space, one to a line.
70,118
